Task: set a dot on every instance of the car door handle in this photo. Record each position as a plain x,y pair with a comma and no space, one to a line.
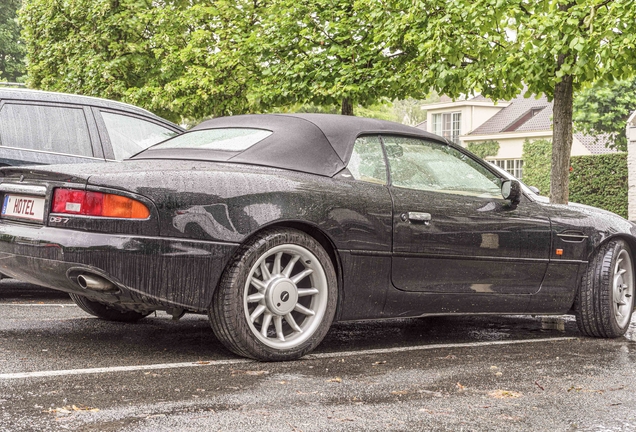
416,217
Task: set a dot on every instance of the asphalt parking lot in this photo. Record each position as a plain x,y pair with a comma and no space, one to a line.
61,369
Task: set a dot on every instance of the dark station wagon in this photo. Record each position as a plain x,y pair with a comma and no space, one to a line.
278,225
38,127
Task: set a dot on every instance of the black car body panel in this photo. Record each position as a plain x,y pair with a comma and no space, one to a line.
56,258
477,255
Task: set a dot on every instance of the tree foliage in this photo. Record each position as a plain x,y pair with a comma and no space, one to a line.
502,48
12,49
412,111
603,110
208,63
197,58
329,52
179,58
93,47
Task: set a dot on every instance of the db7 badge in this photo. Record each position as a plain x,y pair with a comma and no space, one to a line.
57,219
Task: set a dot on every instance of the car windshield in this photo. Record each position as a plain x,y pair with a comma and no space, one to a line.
225,139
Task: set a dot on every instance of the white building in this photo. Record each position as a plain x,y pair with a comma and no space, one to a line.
631,165
479,119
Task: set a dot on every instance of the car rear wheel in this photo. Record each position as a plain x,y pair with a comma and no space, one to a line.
605,300
277,298
110,313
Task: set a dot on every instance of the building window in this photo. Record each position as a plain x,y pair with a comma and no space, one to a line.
448,125
513,166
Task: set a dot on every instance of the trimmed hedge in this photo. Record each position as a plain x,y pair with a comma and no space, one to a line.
600,181
484,149
596,180
537,159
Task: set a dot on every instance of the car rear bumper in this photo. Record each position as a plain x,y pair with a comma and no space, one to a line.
152,272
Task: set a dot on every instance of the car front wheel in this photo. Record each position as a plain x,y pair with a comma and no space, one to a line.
277,298
605,300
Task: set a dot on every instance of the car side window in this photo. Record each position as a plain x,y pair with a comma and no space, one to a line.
130,135
367,160
427,165
45,128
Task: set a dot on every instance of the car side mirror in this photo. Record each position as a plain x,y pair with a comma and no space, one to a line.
511,190
535,190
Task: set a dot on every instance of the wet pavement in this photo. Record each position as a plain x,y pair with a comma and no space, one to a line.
61,369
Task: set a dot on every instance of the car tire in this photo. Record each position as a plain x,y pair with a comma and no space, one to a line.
109,313
605,300
277,297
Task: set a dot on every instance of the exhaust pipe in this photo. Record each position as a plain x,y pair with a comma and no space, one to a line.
96,283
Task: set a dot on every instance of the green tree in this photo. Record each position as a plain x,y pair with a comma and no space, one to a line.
504,47
183,59
603,109
412,111
92,47
206,53
331,52
12,49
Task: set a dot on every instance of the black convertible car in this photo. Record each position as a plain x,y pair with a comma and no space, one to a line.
277,225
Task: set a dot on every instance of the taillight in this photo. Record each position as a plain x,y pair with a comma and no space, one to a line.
72,201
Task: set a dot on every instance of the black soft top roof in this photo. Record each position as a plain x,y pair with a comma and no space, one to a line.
313,143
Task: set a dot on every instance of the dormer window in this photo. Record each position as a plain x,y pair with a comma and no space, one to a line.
447,125
521,120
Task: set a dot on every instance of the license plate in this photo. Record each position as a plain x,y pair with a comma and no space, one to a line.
23,207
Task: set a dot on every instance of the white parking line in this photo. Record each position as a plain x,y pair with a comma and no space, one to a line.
40,305
52,373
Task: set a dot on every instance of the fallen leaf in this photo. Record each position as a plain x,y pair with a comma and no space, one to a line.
248,372
460,387
336,379
203,362
68,409
502,394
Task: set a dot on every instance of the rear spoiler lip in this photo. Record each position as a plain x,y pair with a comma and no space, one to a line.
28,174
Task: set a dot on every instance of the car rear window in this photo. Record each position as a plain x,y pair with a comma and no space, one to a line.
225,139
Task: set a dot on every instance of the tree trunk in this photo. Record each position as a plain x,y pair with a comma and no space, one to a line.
347,107
561,141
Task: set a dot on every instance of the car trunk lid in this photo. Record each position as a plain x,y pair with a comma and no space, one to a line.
25,192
